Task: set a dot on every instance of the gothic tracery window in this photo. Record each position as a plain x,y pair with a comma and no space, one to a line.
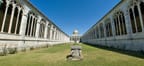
135,16
108,29
119,22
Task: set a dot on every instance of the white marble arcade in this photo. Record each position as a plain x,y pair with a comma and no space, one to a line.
122,27
23,26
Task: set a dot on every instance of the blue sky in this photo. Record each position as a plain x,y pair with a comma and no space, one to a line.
69,15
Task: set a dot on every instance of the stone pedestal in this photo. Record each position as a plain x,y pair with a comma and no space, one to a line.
75,53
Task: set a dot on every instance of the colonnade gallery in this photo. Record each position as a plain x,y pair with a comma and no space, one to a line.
23,26
122,27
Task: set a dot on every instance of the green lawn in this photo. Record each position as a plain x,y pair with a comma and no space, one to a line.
56,56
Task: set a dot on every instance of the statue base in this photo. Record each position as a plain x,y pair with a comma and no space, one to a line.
75,53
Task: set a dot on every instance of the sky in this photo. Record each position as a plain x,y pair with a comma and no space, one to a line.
69,15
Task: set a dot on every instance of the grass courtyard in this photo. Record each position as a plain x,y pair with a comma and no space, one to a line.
56,56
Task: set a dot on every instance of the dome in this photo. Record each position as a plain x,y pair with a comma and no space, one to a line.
75,32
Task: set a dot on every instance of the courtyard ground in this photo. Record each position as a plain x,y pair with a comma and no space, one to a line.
56,56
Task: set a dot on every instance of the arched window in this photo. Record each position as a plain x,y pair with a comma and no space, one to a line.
108,28
31,25
139,27
119,22
135,18
132,21
42,29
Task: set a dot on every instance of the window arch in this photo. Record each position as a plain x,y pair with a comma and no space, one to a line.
137,17
136,12
108,28
42,29
119,22
31,25
132,21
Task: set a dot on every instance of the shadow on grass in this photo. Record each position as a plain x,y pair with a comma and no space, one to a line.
139,54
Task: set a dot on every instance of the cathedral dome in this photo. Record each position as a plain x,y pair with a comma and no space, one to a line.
75,32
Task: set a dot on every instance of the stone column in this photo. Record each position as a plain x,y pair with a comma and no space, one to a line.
128,22
21,45
57,35
31,30
35,23
113,26
123,29
18,16
11,19
134,19
61,36
51,29
118,15
54,35
30,16
23,23
46,30
140,15
65,37
4,19
37,30
38,27
104,27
